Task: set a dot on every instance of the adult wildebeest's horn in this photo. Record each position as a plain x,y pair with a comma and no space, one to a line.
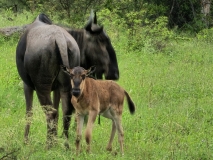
91,70
96,30
95,18
65,69
91,17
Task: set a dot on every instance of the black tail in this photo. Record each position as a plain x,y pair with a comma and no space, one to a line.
130,103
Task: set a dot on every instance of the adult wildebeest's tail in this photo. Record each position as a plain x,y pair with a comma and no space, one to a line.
61,45
130,103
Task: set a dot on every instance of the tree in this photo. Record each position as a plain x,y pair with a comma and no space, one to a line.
205,10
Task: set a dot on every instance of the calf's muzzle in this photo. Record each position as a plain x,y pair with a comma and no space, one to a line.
76,92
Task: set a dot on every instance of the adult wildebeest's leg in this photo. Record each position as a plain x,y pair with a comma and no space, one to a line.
88,134
56,100
47,106
80,122
99,76
67,108
28,92
107,114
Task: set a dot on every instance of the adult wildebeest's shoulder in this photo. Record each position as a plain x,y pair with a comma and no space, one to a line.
96,49
40,52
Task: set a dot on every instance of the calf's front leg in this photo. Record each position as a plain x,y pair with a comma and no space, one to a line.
88,134
80,122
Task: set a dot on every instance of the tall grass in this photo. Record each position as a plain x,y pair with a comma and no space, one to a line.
172,91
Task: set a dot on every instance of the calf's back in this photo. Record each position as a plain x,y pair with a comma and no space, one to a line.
98,95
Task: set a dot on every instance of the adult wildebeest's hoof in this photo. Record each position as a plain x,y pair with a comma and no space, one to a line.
66,145
51,141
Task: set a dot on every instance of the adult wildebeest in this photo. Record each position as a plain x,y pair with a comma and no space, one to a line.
92,97
96,49
40,52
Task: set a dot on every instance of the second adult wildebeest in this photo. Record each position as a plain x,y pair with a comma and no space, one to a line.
96,49
40,52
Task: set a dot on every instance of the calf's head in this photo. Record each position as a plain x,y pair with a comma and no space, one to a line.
77,76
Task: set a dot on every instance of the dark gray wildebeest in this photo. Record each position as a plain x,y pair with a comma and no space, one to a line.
93,97
96,49
40,52
39,59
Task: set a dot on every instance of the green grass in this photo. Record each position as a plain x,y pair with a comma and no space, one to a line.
172,91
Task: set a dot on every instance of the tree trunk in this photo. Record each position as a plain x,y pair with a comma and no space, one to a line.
205,10
10,30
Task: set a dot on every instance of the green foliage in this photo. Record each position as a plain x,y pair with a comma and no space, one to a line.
10,81
9,19
152,36
186,15
206,35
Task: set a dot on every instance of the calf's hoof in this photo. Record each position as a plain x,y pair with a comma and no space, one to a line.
26,141
109,149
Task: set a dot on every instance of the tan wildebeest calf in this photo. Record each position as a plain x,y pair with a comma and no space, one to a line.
92,97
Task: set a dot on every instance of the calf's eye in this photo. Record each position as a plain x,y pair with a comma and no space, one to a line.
71,76
83,77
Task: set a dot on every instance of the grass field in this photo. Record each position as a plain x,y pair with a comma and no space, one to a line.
172,91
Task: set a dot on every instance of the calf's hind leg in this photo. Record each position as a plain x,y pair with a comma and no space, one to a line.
107,114
117,119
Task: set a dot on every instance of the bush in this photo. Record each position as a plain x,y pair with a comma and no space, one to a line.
205,35
153,36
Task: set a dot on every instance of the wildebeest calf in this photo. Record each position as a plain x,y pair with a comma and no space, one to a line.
92,97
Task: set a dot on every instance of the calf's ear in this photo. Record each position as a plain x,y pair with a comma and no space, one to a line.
91,70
